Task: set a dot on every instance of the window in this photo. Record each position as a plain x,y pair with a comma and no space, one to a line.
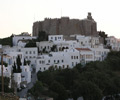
54,61
56,66
77,57
25,70
58,61
40,68
59,67
48,47
76,63
63,66
48,61
71,57
62,61
67,66
74,57
51,37
26,57
55,38
33,52
30,52
44,68
40,62
72,63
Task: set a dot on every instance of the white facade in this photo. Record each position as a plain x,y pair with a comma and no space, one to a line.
100,53
47,45
17,78
7,71
55,38
22,43
0,46
26,73
66,44
87,41
114,43
67,58
7,59
86,55
16,38
30,54
14,56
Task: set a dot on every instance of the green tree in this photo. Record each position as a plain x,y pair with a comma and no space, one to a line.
42,36
14,68
6,85
18,61
59,89
25,62
37,89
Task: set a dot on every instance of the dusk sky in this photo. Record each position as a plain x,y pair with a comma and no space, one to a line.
17,16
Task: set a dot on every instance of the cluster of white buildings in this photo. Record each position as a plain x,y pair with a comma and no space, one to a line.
56,52
68,53
113,43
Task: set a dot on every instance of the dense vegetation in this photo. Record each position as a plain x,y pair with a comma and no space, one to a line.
6,41
42,36
6,84
92,82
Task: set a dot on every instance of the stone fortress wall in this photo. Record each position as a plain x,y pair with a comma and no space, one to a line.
66,26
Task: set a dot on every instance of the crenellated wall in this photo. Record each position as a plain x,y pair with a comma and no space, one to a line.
66,26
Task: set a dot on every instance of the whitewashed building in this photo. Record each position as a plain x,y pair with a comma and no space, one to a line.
45,45
26,74
114,43
86,55
55,38
64,59
30,54
100,53
22,36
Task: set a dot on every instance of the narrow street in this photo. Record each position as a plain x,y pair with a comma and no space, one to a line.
23,92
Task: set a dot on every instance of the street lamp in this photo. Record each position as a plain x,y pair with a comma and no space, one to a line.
1,52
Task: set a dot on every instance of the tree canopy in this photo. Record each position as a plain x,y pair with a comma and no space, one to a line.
92,81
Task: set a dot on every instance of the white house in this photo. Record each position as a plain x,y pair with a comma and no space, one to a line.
86,55
22,43
14,56
114,43
64,59
100,53
17,79
7,71
26,73
22,36
46,45
30,54
55,38
87,41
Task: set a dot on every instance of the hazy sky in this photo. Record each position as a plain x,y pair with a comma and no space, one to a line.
17,16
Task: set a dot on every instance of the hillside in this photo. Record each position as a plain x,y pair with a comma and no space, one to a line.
6,41
8,97
92,81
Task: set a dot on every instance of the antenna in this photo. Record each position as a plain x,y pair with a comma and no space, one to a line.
61,12
34,17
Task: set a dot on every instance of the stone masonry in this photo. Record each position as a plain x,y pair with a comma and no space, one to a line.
66,26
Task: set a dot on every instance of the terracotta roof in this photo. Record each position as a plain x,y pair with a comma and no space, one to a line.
83,49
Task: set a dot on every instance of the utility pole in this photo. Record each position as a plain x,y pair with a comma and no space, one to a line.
2,73
2,78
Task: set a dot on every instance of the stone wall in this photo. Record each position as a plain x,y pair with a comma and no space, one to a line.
66,26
